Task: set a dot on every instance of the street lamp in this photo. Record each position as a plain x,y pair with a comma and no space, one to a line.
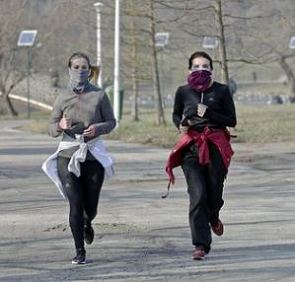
98,6
292,42
210,42
117,62
161,40
27,39
292,46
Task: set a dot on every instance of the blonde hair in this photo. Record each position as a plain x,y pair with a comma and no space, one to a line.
94,74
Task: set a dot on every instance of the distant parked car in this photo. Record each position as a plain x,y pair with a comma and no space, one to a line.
275,100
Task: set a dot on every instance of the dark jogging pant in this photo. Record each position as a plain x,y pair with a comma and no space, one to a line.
205,188
82,193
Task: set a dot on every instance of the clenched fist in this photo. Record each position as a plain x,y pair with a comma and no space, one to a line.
65,123
183,129
90,132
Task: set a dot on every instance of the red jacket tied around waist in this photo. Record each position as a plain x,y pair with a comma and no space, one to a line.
219,137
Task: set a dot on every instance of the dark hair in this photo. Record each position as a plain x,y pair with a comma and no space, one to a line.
78,55
94,70
199,54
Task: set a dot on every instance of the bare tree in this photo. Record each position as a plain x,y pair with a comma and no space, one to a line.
140,50
222,44
241,26
134,51
207,19
262,45
10,74
289,72
9,78
155,66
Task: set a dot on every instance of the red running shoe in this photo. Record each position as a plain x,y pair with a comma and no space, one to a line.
217,228
198,253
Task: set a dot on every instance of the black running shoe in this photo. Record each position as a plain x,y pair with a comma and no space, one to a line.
88,234
80,258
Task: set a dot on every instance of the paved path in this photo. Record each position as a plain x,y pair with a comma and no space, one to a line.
139,236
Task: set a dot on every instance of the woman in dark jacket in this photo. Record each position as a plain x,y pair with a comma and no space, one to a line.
202,110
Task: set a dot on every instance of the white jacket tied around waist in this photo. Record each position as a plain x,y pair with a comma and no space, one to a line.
96,148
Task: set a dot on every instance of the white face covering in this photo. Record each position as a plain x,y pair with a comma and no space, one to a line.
78,80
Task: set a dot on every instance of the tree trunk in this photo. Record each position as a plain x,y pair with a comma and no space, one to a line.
155,68
11,108
3,106
221,46
290,75
134,105
134,109
6,106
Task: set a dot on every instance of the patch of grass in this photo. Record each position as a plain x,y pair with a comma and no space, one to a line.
145,131
38,124
269,123
256,124
259,124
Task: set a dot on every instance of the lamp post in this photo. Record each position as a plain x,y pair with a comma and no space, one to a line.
117,62
292,42
210,42
161,40
98,6
27,39
289,71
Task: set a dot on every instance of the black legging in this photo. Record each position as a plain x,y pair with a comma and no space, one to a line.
82,193
205,189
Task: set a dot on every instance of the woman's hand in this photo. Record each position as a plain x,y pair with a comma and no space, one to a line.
90,132
183,129
65,123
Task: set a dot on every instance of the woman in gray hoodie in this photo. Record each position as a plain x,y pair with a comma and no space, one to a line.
81,115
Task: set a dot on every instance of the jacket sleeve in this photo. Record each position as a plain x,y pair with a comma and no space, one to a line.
54,130
107,114
228,115
177,108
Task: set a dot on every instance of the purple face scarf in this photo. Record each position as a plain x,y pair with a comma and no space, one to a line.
199,80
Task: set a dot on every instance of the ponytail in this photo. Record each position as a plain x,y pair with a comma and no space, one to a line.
94,73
